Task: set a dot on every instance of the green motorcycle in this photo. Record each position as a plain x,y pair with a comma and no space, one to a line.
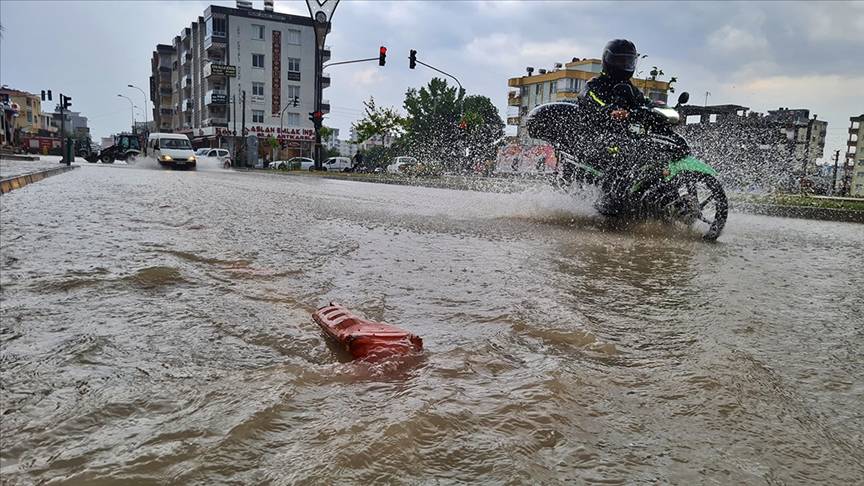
666,183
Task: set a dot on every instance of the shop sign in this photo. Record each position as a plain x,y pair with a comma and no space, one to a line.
277,73
281,134
223,70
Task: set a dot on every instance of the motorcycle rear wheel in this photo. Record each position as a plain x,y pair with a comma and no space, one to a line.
701,204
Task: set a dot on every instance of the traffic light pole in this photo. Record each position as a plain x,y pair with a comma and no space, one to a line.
454,78
320,34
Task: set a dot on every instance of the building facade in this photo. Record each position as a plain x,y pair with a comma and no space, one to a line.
21,115
238,68
805,135
564,82
853,169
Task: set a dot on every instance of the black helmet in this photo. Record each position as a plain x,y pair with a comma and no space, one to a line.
619,59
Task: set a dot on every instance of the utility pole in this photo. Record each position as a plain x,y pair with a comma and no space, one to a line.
834,179
707,93
243,126
63,131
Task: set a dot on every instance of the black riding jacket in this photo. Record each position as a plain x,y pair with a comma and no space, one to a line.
600,100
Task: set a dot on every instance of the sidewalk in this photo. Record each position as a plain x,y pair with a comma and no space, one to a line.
15,174
12,168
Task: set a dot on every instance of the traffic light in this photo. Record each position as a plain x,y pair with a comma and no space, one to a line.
65,101
317,119
412,59
382,55
295,101
49,95
43,95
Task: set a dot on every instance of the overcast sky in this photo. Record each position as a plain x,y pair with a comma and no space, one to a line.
761,55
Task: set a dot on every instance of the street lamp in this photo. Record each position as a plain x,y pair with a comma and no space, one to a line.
321,12
131,108
146,119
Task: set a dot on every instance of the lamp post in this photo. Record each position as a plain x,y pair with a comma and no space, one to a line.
146,119
131,108
321,12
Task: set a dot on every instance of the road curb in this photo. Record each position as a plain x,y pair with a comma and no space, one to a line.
19,181
802,212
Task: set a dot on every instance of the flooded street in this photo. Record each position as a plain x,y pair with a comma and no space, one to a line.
156,329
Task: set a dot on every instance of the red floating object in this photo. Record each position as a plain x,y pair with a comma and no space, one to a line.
362,338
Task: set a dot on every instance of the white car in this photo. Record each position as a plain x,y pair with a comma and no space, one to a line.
400,165
299,162
200,152
223,156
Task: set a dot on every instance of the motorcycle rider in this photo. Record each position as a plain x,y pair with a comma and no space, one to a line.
608,99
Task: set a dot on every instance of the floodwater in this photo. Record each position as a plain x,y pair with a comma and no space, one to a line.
156,330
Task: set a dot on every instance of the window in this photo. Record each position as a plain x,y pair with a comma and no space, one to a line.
293,119
257,89
29,116
258,61
257,32
293,65
294,37
257,116
293,90
216,26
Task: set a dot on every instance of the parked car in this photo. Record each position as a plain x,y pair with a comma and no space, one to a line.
293,163
338,164
201,151
221,155
401,165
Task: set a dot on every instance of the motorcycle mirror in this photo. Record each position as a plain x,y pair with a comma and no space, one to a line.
683,98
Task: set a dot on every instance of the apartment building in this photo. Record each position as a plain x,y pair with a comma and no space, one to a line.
236,68
805,135
853,169
564,82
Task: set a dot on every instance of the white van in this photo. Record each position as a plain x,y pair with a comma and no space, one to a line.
337,164
171,150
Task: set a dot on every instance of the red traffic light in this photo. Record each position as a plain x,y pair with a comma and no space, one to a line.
382,55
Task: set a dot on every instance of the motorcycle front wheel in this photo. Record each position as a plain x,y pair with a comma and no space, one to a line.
700,204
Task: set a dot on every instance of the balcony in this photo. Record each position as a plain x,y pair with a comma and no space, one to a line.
165,90
216,43
187,105
166,111
514,98
326,53
325,106
325,80
215,121
216,97
256,99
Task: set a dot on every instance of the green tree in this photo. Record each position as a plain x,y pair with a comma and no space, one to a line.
432,129
325,132
378,121
481,127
